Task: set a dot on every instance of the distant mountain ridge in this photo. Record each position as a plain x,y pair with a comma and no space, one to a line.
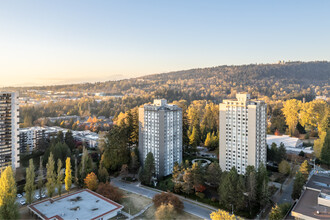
221,81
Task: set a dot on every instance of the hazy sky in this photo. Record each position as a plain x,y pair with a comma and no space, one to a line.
66,41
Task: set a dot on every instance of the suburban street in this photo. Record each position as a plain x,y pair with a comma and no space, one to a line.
189,207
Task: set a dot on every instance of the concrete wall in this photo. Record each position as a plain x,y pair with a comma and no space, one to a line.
252,111
323,201
141,129
222,138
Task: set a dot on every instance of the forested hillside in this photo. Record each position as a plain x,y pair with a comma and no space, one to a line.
277,81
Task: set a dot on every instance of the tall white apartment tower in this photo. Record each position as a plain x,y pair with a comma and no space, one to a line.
9,129
242,133
160,132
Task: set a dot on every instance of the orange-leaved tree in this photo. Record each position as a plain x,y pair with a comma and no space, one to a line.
109,191
91,181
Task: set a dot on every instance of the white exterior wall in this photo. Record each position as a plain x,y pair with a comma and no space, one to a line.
242,133
160,132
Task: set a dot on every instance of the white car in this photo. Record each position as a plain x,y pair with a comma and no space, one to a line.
19,196
37,196
22,202
43,195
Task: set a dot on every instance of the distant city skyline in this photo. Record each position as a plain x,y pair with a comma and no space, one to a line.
48,42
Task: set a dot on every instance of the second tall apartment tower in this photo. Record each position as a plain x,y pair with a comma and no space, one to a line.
242,133
160,132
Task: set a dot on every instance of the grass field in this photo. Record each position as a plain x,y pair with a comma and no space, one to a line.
133,203
150,214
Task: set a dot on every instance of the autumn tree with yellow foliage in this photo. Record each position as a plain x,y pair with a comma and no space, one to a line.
291,112
8,207
68,174
304,169
221,215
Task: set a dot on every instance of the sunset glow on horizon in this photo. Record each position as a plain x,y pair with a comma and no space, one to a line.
48,42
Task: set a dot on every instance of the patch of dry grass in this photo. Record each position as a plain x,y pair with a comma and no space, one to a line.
150,214
133,203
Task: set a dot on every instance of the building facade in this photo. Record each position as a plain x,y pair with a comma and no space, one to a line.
242,133
160,132
9,129
31,138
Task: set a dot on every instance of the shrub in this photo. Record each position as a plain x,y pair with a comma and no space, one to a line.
168,198
284,167
165,211
200,195
109,191
213,199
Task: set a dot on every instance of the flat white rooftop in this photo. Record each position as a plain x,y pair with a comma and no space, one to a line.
83,204
285,139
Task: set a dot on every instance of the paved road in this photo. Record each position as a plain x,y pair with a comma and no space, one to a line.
188,206
286,193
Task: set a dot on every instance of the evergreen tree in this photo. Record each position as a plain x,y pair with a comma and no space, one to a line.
262,185
197,176
185,129
116,149
298,184
134,136
281,152
51,180
325,152
69,140
8,206
213,174
60,137
134,163
231,190
29,185
148,169
68,174
251,186
59,180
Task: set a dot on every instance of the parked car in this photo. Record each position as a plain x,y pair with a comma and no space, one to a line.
19,196
37,196
43,195
22,202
